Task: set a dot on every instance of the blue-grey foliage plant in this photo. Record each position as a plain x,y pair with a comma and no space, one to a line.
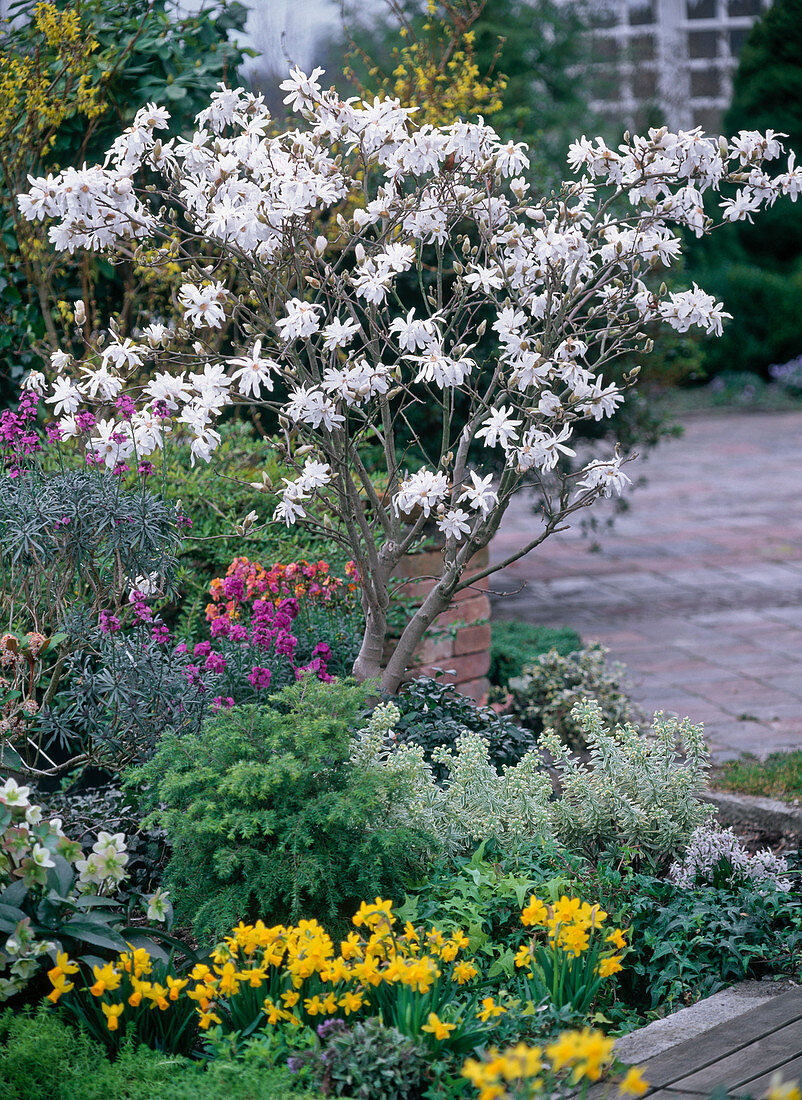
88,672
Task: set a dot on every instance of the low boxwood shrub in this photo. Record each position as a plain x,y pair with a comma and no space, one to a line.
268,816
545,694
515,644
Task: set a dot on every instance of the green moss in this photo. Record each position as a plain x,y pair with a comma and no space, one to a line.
778,776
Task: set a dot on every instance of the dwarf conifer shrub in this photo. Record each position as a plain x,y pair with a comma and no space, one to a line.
269,817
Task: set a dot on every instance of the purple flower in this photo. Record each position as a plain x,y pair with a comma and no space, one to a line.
215,662
125,406
259,678
109,624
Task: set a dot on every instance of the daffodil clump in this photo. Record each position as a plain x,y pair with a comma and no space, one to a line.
294,976
569,953
575,1058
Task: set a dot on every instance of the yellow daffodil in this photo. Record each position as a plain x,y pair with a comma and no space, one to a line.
489,1010
436,1027
463,972
535,912
206,1019
351,1002
633,1084
112,1014
609,966
175,985
523,956
106,980
616,938
60,986
566,910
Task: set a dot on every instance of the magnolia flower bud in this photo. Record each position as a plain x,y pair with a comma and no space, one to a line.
320,245
482,328
247,523
359,252
80,312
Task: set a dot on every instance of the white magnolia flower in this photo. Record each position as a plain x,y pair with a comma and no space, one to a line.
480,495
253,374
499,428
607,476
204,307
302,320
454,524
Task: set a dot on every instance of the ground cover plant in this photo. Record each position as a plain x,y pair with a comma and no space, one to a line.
515,644
778,776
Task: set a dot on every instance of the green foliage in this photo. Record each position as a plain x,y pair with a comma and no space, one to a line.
483,895
767,94
515,644
778,776
544,696
766,326
756,270
435,715
691,943
367,1061
635,795
269,818
472,801
216,496
42,1058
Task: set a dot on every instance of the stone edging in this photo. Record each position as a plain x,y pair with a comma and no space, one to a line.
765,813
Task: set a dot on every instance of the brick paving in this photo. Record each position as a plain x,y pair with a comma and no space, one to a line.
697,588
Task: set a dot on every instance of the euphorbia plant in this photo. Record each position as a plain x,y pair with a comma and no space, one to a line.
312,325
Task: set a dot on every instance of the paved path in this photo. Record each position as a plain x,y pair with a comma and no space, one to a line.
697,588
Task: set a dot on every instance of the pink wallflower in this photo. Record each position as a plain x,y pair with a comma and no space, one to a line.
160,633
215,662
109,624
259,678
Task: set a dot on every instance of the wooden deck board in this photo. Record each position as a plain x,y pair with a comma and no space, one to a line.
791,1071
671,1069
736,1068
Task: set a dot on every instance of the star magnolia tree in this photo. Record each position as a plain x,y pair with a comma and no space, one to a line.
272,311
